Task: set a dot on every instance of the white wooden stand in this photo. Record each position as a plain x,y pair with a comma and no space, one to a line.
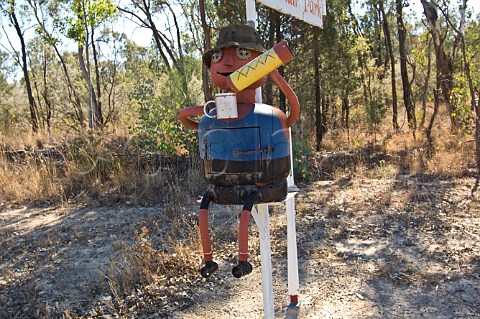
262,218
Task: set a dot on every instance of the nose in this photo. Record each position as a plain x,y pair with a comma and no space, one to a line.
228,57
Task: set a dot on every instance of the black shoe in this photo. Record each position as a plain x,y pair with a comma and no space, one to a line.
208,269
243,268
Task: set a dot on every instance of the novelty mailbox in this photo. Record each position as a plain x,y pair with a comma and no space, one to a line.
244,146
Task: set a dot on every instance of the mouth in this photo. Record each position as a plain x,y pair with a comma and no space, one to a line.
224,73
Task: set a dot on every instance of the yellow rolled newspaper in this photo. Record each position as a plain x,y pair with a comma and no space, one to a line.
259,67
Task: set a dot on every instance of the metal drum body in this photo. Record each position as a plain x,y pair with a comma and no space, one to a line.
251,153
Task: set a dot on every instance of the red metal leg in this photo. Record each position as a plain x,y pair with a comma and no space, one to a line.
244,267
210,266
243,236
205,235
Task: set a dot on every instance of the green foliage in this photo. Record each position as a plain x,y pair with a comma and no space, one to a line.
10,114
157,96
301,153
88,13
373,84
460,95
230,11
376,110
461,104
158,128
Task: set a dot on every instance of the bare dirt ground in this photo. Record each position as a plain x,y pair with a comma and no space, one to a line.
402,247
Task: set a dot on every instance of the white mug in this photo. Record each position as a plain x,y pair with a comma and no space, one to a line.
225,105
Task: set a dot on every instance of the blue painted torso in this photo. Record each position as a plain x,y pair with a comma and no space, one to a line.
253,150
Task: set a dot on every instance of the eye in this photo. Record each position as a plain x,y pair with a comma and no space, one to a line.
217,56
243,53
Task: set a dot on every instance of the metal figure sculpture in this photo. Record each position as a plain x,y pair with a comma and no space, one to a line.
244,146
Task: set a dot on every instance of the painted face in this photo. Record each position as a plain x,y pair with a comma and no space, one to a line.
225,61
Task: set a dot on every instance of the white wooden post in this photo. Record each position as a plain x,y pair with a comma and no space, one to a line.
292,258
252,21
262,219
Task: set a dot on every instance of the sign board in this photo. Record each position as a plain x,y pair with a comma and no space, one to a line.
310,11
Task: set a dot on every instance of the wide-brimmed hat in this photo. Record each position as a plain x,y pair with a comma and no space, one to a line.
240,35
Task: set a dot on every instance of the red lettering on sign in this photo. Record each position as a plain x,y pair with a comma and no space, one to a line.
292,2
313,7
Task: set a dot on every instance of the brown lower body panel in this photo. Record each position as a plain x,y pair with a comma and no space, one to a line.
237,194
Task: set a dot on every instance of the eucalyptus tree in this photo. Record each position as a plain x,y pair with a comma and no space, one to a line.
112,73
391,58
7,111
470,45
42,61
164,21
373,58
437,15
86,16
201,21
171,83
10,9
421,56
407,90
325,71
51,28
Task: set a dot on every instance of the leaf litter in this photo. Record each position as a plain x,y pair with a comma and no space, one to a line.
402,247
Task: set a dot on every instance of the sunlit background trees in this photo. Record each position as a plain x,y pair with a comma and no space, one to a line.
76,67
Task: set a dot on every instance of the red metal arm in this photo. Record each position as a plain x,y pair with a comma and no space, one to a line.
278,79
185,114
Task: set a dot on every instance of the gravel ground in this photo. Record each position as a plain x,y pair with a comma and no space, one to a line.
402,247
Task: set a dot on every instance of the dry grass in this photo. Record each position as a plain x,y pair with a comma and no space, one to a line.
109,168
151,271
104,169
387,153
38,182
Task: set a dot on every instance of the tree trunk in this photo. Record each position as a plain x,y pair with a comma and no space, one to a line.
71,89
180,65
318,121
388,41
160,43
207,88
334,120
38,101
98,104
91,101
425,85
477,135
28,85
444,61
318,112
325,107
436,105
93,113
407,92
46,98
345,112
378,55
